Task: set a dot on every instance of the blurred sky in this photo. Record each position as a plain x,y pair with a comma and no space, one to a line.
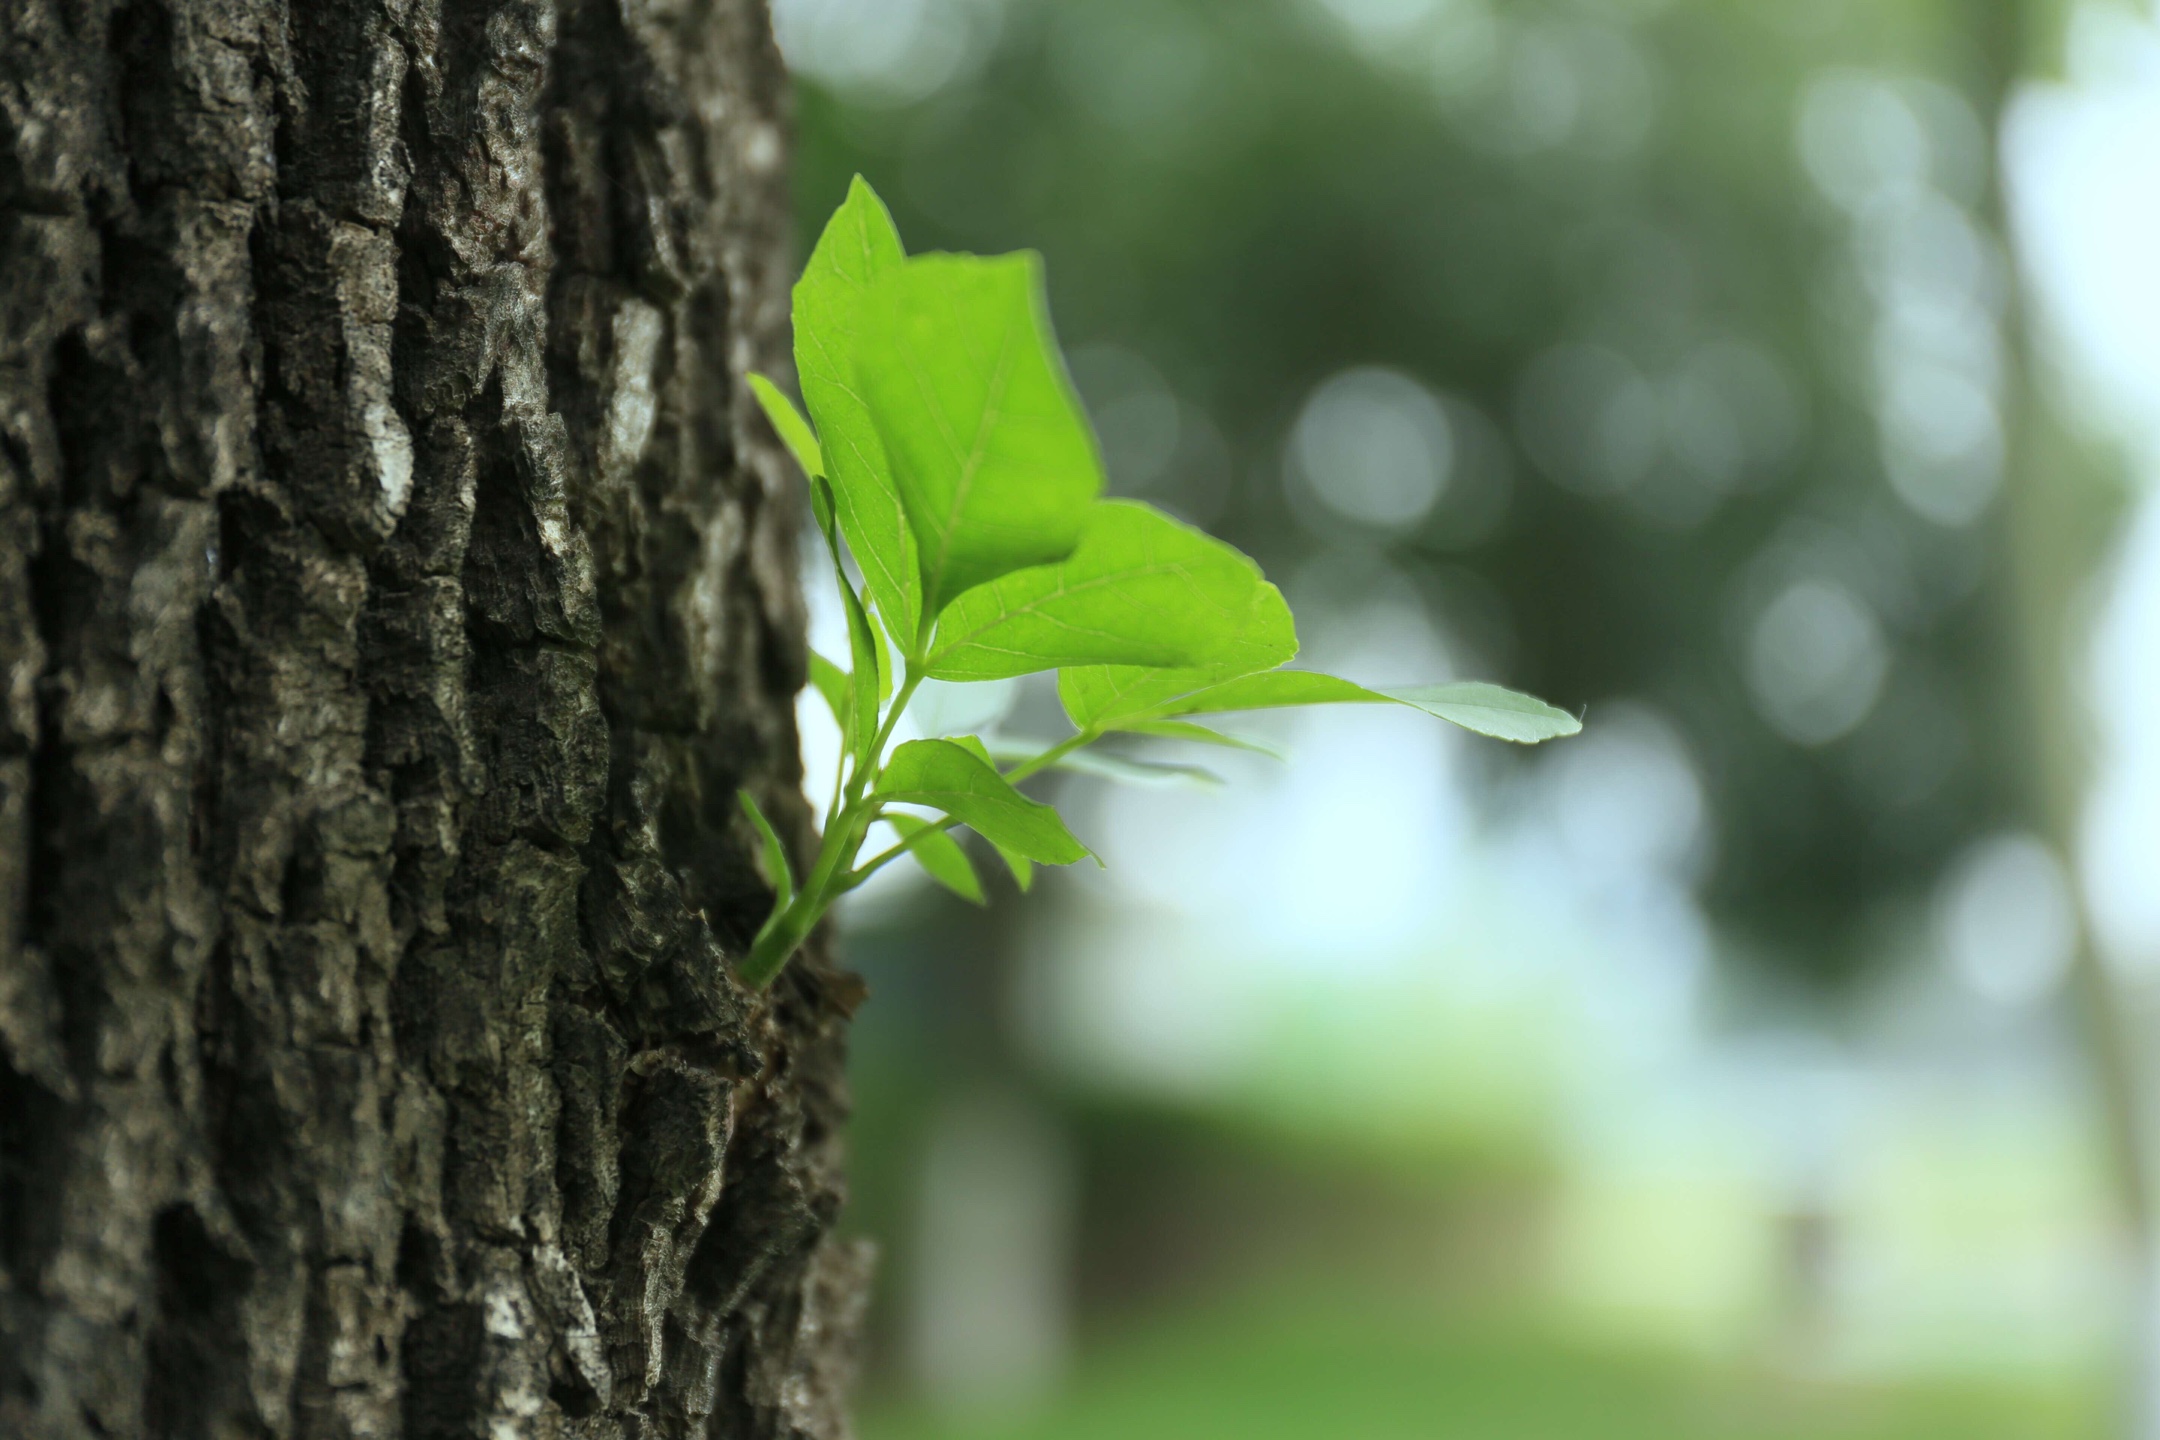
1399,933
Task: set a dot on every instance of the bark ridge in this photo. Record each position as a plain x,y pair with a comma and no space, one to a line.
393,593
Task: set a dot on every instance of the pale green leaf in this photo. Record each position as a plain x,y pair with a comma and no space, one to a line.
821,507
955,779
859,245
867,677
940,856
1489,710
885,671
1141,589
1270,689
988,447
1115,700
789,425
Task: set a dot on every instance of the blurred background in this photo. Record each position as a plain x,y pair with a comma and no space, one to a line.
1780,383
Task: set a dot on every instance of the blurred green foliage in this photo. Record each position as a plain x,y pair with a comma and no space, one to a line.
1359,1367
1662,351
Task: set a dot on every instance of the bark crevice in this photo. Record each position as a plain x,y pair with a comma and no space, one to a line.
394,591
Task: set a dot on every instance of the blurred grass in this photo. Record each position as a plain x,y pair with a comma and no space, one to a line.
1334,1367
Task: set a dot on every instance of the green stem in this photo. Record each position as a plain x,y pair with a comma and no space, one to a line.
848,821
886,856
848,818
784,934
869,763
1051,756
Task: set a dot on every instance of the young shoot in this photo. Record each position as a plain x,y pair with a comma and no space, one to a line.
949,457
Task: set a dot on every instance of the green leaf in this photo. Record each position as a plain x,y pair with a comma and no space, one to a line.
1106,765
1141,589
1473,704
832,682
1023,870
884,657
940,856
778,873
988,447
1117,698
1268,690
1489,710
957,780
973,744
867,679
859,246
1200,734
789,425
821,506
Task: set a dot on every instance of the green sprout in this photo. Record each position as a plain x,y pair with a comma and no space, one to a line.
952,458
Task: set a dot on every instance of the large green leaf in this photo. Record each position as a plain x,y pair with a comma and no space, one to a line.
865,680
958,781
1141,589
940,856
858,247
987,443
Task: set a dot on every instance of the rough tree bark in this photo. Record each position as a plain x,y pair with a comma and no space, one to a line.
393,593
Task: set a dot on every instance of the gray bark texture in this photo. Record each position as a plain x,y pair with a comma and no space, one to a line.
394,590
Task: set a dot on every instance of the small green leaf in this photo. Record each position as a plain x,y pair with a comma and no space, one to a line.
778,873
883,642
821,506
956,779
1023,870
1200,734
1141,589
832,683
1489,710
866,678
859,245
940,856
789,425
988,447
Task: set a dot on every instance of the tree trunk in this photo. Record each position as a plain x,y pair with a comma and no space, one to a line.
393,593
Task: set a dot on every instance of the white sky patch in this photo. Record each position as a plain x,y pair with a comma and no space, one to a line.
2084,164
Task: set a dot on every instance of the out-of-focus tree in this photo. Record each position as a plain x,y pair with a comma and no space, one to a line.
1664,347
